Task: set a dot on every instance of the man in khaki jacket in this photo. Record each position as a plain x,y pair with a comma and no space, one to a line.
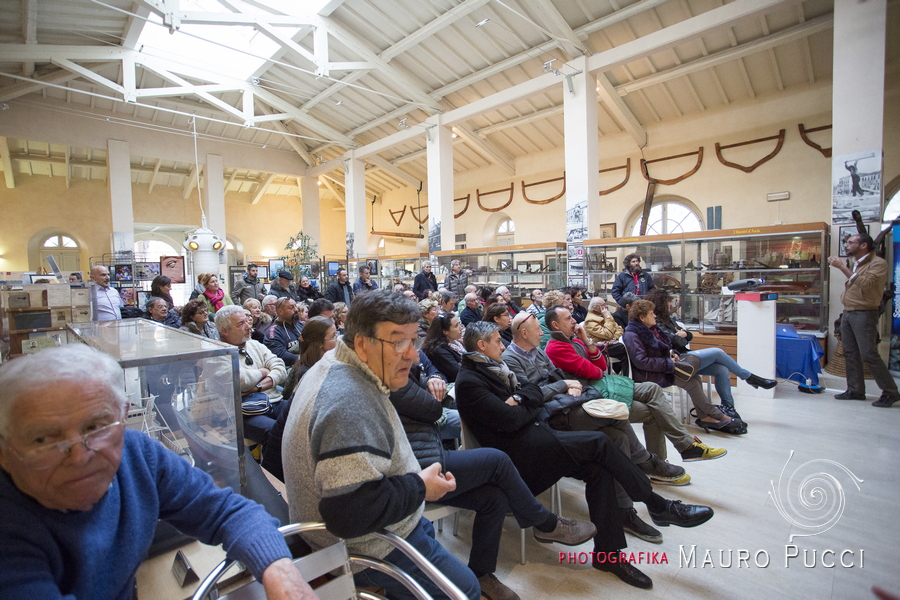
861,299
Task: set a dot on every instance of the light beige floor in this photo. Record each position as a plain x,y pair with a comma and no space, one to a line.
862,438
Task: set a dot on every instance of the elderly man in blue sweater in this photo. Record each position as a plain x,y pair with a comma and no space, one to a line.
80,495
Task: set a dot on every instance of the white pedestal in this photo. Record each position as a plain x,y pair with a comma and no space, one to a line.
756,344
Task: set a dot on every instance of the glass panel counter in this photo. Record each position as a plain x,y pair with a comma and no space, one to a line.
695,267
183,389
520,267
400,268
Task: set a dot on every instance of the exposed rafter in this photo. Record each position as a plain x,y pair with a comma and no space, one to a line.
261,187
6,161
486,148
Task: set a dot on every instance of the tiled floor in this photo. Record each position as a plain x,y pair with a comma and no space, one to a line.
857,436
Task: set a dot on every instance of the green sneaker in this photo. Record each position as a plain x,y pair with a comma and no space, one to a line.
700,451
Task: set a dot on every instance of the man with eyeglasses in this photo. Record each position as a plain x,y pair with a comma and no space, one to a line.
261,371
283,335
346,457
81,495
861,298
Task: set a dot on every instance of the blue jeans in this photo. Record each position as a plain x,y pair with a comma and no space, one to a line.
488,483
451,429
422,539
715,363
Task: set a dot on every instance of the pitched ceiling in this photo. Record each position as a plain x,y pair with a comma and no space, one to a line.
358,71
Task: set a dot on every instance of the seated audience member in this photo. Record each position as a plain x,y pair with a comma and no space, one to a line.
443,344
283,335
537,302
399,288
340,290
579,312
410,294
321,308
499,315
649,405
359,475
652,359
513,308
504,413
283,286
268,306
158,311
484,292
340,316
303,311
602,328
318,337
306,291
494,299
76,280
530,363
248,287
198,289
161,287
429,310
365,283
261,372
472,311
447,303
195,319
214,296
551,298
457,280
470,289
486,482
81,494
261,320
621,314
713,361
425,282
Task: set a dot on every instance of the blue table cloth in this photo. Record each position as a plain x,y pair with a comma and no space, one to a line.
797,358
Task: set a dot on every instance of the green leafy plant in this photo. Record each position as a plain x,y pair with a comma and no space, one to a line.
301,252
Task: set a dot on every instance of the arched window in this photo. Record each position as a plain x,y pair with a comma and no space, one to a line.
64,251
891,212
669,216
506,233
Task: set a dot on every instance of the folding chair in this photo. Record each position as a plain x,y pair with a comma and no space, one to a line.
335,559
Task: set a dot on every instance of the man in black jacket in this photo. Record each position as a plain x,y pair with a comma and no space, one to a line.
505,415
621,314
486,482
472,312
341,290
425,282
283,286
283,335
632,279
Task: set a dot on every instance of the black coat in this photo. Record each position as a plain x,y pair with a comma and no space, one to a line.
445,360
621,317
310,294
335,291
517,430
419,411
679,344
424,284
579,313
625,283
279,291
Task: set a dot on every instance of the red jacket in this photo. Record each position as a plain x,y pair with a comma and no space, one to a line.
576,361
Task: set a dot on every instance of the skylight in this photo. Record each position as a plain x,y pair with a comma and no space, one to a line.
214,56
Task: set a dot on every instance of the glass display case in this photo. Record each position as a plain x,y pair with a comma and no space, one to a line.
696,266
521,267
182,389
400,268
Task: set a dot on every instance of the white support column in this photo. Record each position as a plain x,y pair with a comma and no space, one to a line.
441,229
582,158
355,203
118,162
309,194
214,200
857,102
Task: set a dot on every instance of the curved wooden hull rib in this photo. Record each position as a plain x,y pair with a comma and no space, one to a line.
627,167
548,200
394,214
768,157
644,164
412,211
826,152
479,194
465,208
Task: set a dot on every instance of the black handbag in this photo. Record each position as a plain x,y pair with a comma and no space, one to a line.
686,366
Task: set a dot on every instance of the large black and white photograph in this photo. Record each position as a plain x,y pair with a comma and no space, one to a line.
856,185
434,235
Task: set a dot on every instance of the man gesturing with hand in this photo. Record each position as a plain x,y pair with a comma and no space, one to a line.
346,457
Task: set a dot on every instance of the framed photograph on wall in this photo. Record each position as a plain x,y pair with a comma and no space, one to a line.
35,278
172,267
128,296
146,271
123,273
263,273
142,297
607,230
846,231
275,265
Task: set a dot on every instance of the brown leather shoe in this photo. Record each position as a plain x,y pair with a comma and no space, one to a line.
493,589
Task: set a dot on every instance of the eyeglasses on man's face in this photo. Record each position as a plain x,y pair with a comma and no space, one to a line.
400,346
46,455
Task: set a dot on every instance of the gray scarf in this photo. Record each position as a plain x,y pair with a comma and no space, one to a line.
497,368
